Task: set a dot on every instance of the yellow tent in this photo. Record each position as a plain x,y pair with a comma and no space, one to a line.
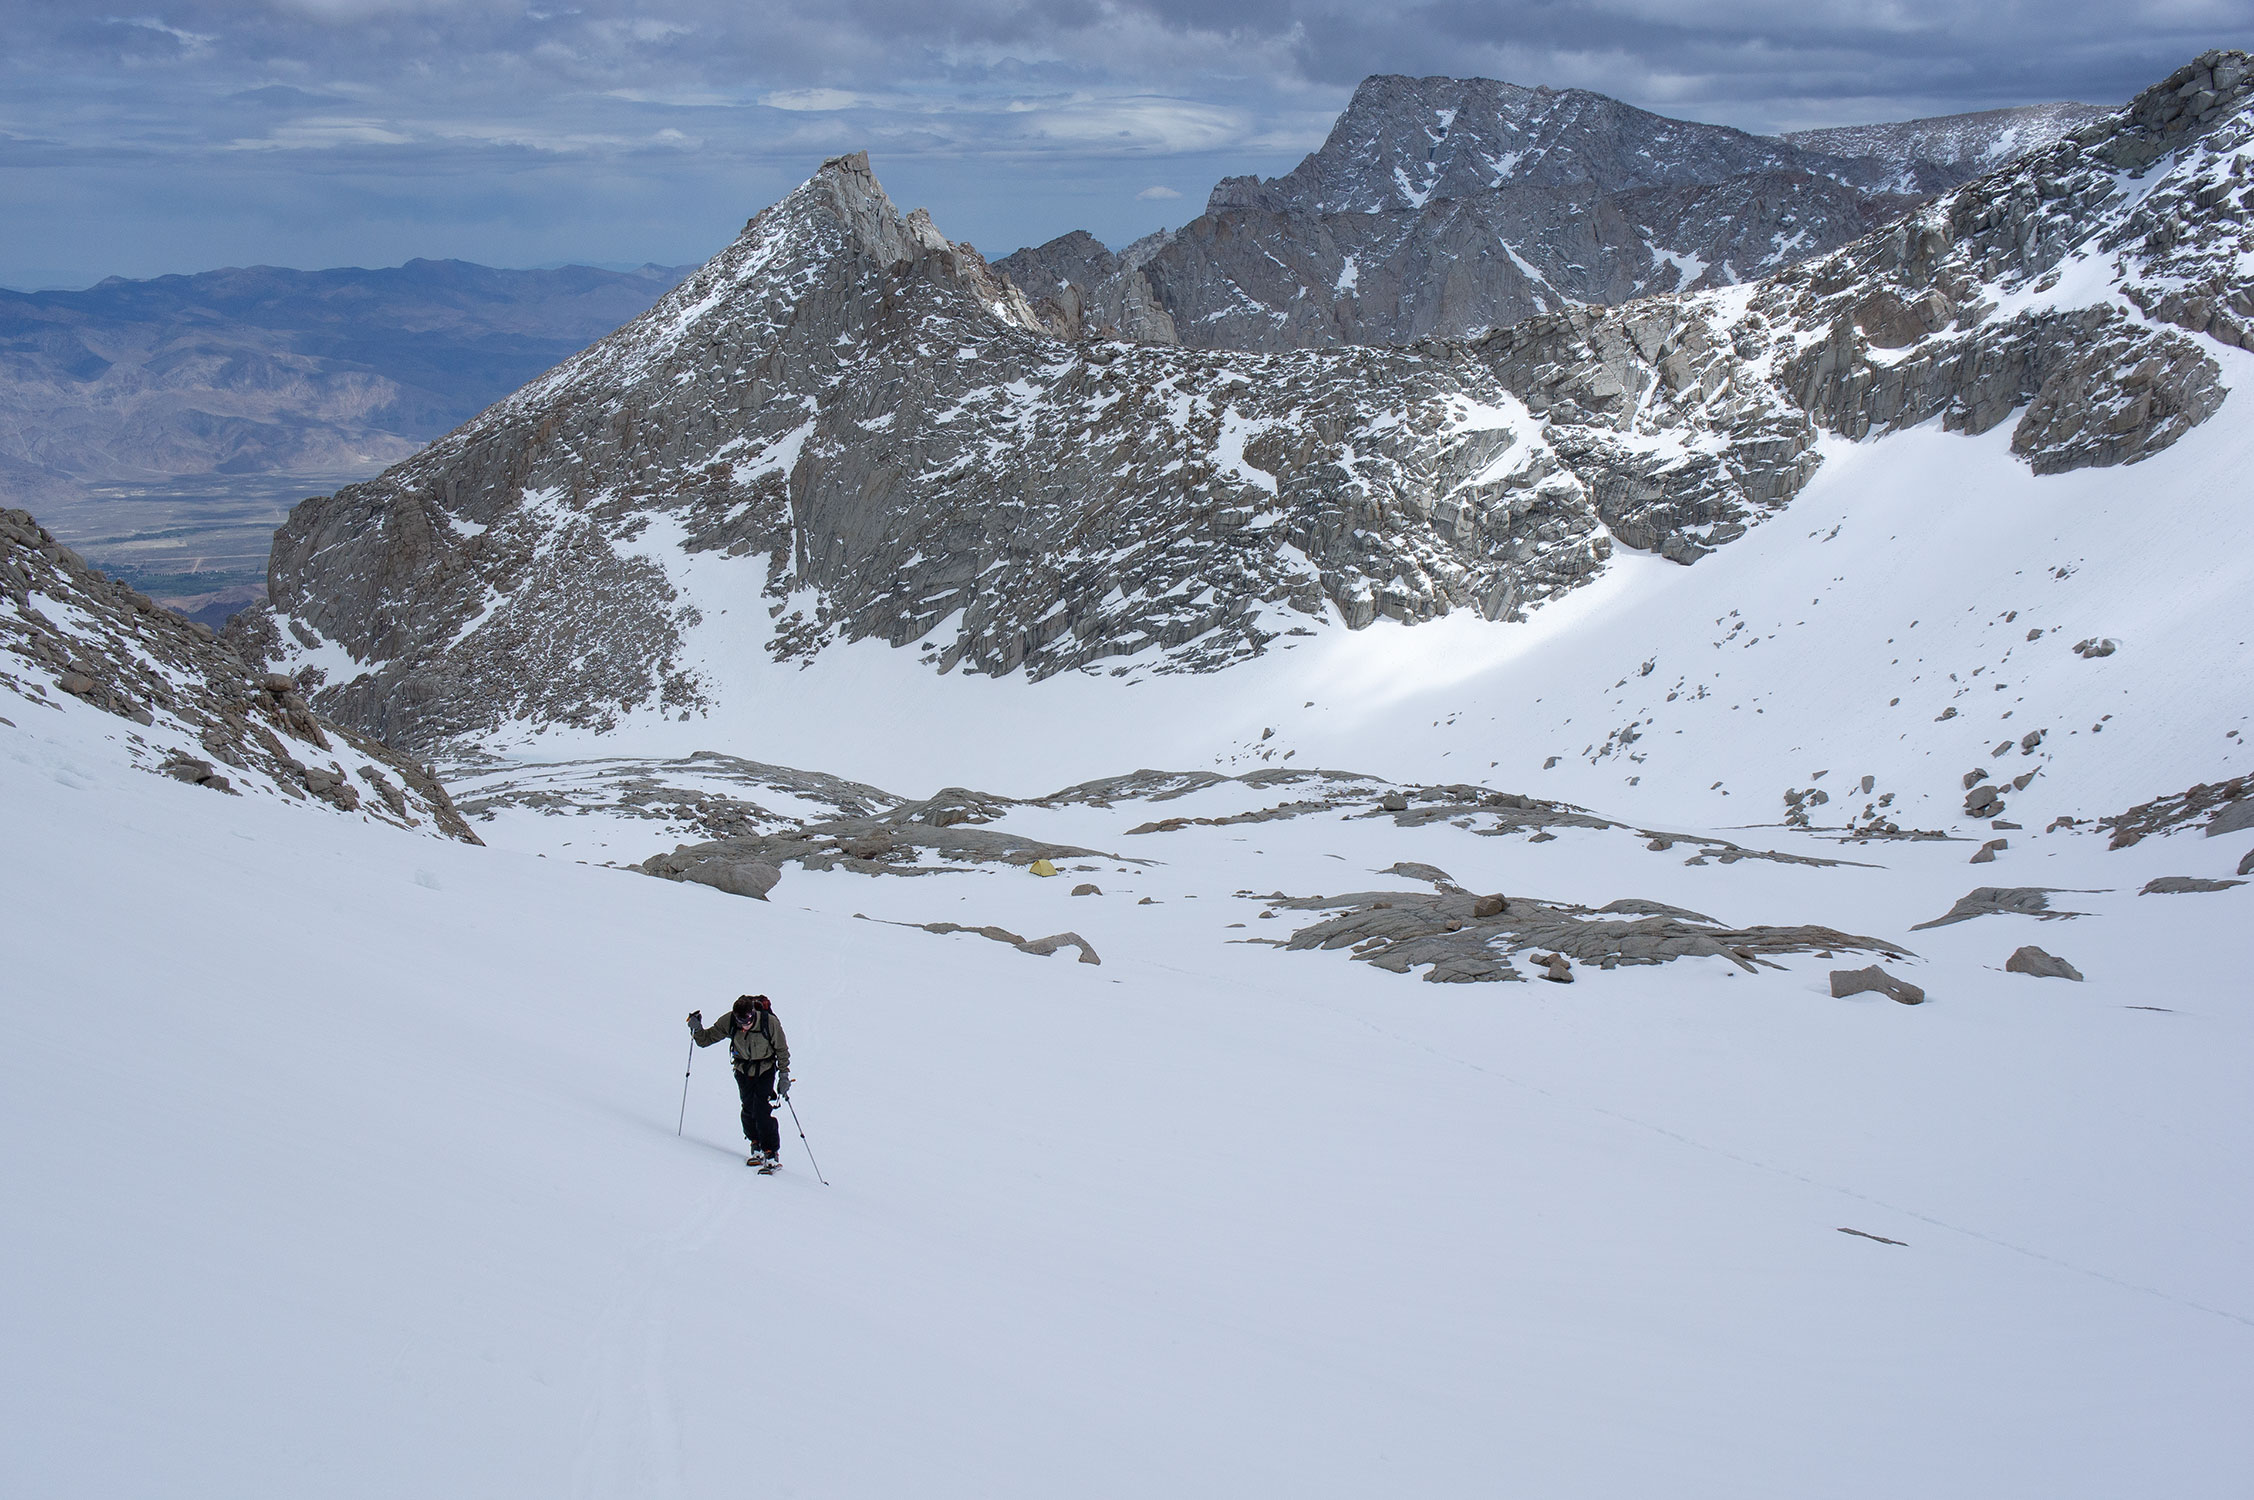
1043,867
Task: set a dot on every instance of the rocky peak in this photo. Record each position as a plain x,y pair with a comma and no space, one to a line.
875,448
1452,206
1080,289
1404,142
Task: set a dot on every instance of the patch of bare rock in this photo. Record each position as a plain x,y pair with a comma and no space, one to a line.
1874,980
68,627
1467,939
1997,900
2034,961
2184,885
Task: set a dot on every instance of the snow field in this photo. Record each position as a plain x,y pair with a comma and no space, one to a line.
1829,639
338,1164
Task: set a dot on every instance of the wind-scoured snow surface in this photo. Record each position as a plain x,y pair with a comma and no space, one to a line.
336,1163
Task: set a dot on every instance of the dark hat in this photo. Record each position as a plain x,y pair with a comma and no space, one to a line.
745,1003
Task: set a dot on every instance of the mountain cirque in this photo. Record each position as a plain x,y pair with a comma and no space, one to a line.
869,427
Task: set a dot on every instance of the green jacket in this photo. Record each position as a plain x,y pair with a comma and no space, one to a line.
757,1045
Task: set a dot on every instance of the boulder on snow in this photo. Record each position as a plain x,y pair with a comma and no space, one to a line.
1087,888
1989,851
738,877
1560,971
2033,960
2184,885
1845,982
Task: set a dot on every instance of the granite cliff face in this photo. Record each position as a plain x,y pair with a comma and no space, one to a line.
1448,206
863,428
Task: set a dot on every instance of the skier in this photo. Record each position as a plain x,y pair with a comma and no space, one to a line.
762,1064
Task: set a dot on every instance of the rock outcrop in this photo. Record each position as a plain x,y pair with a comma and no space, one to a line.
1465,939
1874,980
192,708
2033,961
1998,900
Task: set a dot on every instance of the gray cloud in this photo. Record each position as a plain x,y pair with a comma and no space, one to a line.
329,131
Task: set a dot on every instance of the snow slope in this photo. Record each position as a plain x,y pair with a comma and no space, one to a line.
1890,578
336,1163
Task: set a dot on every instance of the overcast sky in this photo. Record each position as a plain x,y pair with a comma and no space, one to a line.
171,136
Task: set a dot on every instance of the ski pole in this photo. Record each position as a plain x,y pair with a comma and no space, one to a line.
818,1177
685,1086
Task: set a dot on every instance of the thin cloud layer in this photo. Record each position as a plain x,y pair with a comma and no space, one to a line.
332,131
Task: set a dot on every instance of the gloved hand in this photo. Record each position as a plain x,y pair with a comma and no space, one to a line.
782,1085
696,1020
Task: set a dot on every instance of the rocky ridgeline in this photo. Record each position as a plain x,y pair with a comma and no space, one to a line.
1908,325
860,426
1451,206
860,422
201,714
1964,144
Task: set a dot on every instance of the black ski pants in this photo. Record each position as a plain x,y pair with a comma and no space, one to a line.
758,1093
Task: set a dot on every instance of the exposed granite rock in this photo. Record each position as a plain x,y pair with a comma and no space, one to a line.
112,648
1080,289
1467,939
1995,900
2034,961
2234,817
2232,799
1845,982
1450,206
2184,885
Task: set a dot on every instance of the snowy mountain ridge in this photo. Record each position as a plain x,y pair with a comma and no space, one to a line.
1452,206
1968,143
1762,1028
847,425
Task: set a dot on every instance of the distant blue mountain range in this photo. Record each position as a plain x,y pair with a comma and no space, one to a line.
264,369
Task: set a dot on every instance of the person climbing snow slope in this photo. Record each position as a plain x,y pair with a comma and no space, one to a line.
761,1056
